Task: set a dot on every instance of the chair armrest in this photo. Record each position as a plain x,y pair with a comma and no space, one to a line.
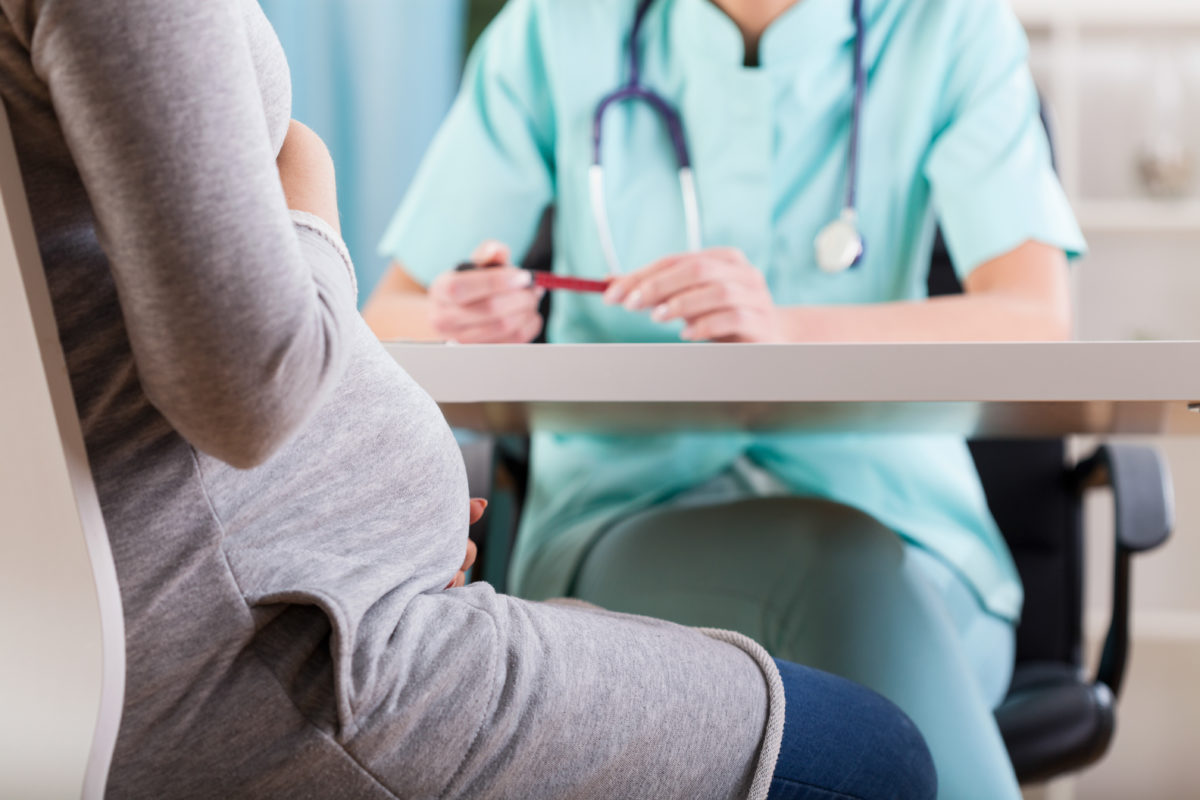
1144,518
1142,491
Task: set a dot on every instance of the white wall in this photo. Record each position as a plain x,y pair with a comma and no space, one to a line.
1119,74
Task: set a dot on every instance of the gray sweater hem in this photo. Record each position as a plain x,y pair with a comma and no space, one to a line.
776,702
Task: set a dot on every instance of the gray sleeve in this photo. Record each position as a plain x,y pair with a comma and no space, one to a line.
239,317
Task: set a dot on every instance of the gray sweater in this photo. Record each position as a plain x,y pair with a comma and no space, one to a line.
284,503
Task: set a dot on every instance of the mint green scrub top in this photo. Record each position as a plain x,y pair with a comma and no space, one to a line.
951,130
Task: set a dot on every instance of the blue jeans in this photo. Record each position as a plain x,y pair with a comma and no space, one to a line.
844,742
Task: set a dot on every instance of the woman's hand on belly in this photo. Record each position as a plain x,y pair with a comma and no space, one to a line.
478,506
719,294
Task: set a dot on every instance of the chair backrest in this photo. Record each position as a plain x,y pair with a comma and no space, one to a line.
1039,513
62,657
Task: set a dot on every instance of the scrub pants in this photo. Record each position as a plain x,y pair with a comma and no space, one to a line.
824,585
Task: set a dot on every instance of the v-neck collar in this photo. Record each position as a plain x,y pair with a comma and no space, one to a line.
705,32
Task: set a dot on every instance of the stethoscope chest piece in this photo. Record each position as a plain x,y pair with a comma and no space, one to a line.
840,246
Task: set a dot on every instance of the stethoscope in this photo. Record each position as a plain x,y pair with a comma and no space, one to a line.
839,246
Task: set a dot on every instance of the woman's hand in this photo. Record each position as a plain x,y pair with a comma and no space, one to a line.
478,506
497,305
719,294
307,173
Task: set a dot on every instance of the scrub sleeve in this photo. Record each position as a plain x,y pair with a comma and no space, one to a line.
990,168
488,174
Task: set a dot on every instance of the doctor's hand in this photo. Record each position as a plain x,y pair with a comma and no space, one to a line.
719,294
498,305
478,506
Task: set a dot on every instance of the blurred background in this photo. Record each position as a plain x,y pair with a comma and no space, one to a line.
374,78
1122,81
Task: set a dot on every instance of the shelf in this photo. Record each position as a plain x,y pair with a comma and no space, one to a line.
1108,13
1139,216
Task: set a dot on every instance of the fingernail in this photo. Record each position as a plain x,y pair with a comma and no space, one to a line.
688,335
613,295
661,314
635,300
522,279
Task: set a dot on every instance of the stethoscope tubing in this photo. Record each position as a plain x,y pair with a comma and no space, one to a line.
860,96
838,247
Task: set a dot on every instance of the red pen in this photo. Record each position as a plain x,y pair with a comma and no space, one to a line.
552,282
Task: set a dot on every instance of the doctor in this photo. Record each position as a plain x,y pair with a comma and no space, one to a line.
760,171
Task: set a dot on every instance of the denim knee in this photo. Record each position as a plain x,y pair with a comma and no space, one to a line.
902,752
841,740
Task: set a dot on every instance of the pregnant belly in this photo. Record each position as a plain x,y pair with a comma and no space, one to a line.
373,486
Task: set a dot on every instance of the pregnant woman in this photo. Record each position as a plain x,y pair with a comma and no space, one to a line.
287,509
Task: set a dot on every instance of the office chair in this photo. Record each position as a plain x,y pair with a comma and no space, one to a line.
62,661
1056,719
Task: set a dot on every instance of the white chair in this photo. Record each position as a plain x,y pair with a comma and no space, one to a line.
62,642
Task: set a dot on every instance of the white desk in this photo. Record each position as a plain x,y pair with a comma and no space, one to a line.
968,389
